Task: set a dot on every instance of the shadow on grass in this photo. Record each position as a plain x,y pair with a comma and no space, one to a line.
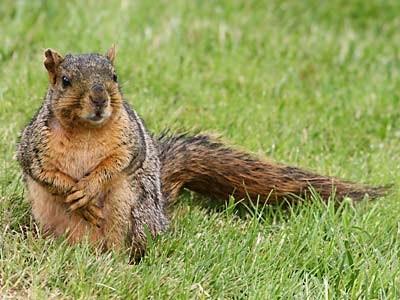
262,210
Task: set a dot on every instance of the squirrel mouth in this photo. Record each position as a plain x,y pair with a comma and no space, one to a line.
97,117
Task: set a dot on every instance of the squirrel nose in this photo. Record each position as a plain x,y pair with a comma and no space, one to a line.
98,95
98,101
97,88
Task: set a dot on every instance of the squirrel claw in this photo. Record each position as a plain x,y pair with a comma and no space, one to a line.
79,203
74,196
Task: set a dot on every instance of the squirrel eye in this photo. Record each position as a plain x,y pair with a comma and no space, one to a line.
65,81
115,78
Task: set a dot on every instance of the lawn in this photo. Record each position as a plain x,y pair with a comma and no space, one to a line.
309,83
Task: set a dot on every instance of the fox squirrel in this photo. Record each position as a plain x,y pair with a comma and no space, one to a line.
92,170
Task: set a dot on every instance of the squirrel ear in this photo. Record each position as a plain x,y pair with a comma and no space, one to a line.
51,62
111,53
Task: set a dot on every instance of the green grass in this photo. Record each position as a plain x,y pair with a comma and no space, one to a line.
309,83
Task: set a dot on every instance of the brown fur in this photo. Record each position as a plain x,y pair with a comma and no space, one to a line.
90,167
208,167
93,171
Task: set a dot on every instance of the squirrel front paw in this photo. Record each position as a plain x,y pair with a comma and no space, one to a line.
83,193
77,199
83,198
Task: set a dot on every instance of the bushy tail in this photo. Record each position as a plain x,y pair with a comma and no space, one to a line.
212,169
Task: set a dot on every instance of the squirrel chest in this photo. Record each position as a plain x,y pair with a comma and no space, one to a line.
77,153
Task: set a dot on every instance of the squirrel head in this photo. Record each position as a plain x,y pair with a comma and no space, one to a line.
84,88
